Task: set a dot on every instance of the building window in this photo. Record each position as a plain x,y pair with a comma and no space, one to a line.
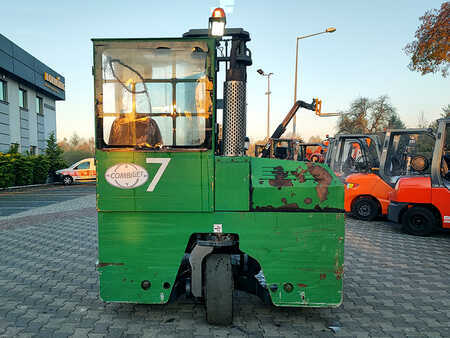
32,150
3,91
23,102
39,105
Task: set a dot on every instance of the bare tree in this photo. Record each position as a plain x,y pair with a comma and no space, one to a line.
380,113
422,122
367,116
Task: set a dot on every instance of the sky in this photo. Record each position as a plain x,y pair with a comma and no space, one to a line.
364,57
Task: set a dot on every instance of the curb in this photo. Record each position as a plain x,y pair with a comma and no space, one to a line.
24,187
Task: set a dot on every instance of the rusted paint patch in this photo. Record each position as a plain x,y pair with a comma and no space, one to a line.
322,177
323,276
300,285
101,265
300,175
307,200
297,209
280,178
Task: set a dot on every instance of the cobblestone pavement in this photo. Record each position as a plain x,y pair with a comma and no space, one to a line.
27,201
395,285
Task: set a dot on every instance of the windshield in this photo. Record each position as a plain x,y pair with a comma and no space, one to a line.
156,94
409,154
355,155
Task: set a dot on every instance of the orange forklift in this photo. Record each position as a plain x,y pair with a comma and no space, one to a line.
368,176
422,203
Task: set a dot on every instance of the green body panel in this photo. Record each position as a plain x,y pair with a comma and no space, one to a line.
305,249
232,184
185,185
294,186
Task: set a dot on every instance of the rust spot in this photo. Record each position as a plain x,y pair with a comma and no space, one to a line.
287,205
323,276
292,194
280,178
302,285
307,200
338,268
101,265
339,272
322,177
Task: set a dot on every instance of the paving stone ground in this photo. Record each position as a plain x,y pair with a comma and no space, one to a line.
394,285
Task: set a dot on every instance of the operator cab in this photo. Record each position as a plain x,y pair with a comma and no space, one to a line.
441,175
407,152
352,154
156,95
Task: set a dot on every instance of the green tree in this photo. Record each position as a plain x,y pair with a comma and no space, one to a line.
54,154
429,51
395,122
445,114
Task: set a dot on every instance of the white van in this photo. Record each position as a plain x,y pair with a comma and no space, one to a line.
81,171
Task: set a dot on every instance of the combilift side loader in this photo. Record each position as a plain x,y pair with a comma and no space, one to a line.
422,202
179,215
370,174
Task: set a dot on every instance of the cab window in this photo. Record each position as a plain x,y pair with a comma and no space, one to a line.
445,161
158,96
409,154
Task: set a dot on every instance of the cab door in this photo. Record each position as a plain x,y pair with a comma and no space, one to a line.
440,192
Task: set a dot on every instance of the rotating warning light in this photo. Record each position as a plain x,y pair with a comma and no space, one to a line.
217,23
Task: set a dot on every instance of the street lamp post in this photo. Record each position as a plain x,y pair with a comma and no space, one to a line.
261,72
328,30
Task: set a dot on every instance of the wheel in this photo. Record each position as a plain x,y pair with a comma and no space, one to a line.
67,180
418,221
365,208
219,289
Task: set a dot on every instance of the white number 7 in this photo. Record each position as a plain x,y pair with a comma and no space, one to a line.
164,163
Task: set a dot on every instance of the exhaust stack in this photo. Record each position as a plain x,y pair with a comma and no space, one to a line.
234,94
234,118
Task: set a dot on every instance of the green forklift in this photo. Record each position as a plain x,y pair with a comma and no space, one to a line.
180,214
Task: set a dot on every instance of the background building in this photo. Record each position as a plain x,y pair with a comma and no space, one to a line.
28,91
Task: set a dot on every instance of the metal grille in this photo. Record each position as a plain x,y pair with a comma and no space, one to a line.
234,118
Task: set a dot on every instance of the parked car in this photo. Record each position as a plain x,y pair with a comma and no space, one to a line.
81,171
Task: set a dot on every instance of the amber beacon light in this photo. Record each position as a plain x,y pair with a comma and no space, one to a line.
217,23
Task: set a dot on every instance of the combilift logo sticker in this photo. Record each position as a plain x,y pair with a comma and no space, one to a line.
446,219
126,175
130,175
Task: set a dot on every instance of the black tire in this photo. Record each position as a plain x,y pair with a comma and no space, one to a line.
418,221
219,289
365,209
67,180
